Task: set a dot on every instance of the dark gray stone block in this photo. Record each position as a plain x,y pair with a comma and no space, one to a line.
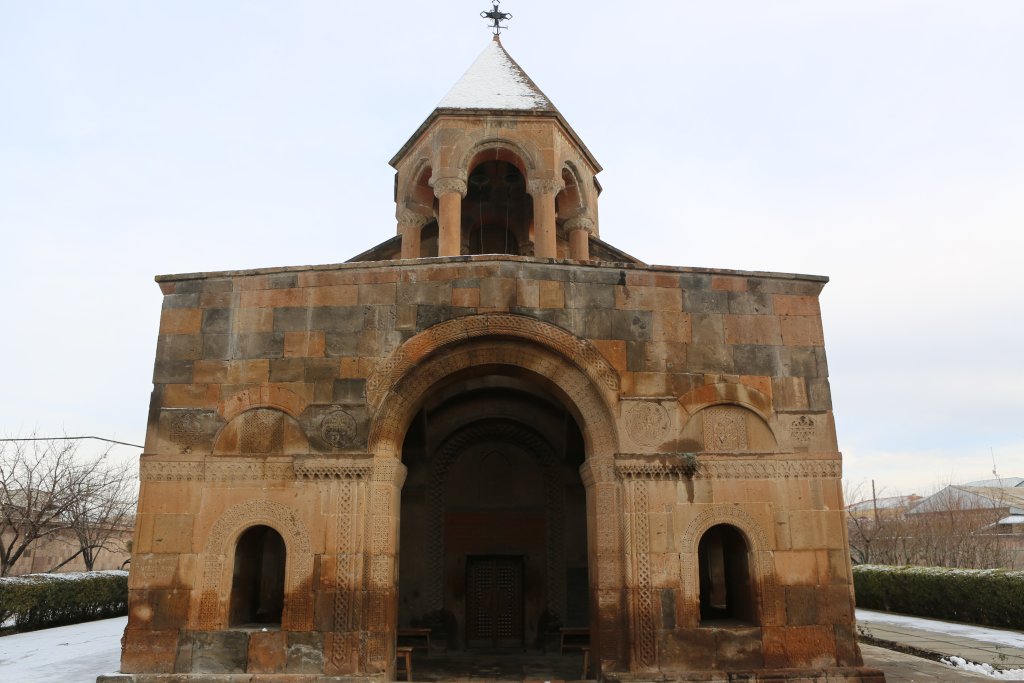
305,653
755,359
349,391
216,321
181,300
713,358
632,325
172,372
705,301
219,652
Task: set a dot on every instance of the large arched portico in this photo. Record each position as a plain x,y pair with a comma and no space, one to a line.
530,354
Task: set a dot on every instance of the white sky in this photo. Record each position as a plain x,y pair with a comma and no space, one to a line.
879,142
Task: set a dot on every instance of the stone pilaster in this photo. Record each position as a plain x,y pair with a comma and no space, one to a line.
543,193
579,228
449,192
410,225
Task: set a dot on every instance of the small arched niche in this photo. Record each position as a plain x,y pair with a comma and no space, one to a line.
727,582
261,431
257,583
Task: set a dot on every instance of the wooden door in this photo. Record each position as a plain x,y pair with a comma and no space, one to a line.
494,601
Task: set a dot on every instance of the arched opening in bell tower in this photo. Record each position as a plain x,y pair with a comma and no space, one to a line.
493,534
497,211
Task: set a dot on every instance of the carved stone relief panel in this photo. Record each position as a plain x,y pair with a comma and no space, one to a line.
335,427
725,429
187,430
262,431
647,423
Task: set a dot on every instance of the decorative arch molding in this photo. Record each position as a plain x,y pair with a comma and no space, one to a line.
572,349
479,143
263,396
578,391
261,430
727,392
218,563
581,187
529,440
410,182
770,606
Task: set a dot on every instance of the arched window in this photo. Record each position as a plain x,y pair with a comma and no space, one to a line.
257,586
726,585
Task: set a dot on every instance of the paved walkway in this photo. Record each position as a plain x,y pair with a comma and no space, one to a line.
1000,648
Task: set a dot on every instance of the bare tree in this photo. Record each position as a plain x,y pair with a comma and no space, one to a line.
47,489
101,507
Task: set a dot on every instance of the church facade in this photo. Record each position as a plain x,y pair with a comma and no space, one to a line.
496,426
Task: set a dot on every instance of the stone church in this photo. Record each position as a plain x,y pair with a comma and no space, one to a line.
493,429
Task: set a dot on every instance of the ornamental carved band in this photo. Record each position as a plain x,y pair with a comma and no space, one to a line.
580,223
539,187
448,185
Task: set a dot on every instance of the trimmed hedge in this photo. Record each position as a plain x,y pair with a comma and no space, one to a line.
38,601
991,597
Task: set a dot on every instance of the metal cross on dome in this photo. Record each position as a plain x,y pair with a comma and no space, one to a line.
496,16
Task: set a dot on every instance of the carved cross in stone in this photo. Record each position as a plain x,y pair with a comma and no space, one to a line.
496,16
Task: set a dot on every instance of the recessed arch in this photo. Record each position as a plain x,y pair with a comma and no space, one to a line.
767,607
222,539
476,151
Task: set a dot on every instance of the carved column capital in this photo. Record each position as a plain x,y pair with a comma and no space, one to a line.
542,187
580,222
448,185
409,217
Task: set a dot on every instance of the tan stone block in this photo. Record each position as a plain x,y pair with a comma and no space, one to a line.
552,294
305,344
809,646
801,330
149,652
274,298
325,278
671,326
358,367
759,383
466,297
216,299
378,294
614,352
246,320
172,533
142,539
527,293
797,568
336,295
789,304
649,384
752,329
210,371
180,320
267,652
256,371
191,395
789,393
649,298
724,283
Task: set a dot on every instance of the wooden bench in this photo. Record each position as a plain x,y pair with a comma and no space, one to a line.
420,637
404,653
573,639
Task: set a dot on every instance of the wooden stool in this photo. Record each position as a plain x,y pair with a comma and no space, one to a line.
586,661
405,652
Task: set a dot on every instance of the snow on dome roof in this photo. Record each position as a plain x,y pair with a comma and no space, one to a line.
495,81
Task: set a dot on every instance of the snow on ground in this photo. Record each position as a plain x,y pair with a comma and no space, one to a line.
978,633
67,654
984,669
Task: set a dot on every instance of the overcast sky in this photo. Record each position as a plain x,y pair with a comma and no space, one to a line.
879,142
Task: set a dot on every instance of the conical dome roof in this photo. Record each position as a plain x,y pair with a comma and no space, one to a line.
495,81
